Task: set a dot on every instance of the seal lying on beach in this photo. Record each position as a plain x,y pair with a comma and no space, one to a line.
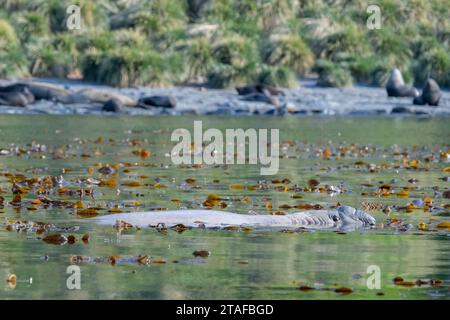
343,217
46,91
104,95
264,96
259,88
16,95
157,101
113,105
396,87
431,94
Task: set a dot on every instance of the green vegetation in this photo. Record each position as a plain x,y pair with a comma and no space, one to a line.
223,43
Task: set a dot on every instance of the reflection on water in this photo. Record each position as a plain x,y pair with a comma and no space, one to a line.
241,265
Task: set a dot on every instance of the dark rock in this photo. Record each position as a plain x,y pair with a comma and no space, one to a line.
259,88
157,101
396,87
262,97
16,95
419,101
112,105
403,110
432,93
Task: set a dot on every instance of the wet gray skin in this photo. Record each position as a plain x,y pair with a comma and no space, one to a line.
344,217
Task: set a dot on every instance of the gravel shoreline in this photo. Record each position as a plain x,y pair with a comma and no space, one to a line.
307,99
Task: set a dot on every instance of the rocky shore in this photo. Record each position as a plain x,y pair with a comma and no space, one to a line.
306,99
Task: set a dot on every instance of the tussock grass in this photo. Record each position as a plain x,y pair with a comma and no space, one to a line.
150,42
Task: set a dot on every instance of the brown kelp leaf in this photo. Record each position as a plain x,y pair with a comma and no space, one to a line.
422,226
99,140
443,225
308,206
398,280
213,197
78,259
312,183
436,282
71,239
87,213
107,170
237,186
403,194
78,205
326,154
190,181
85,238
159,261
223,204
210,203
12,281
420,282
180,228
112,182
446,194
306,288
232,228
201,253
144,260
343,290
113,260
57,239
285,206
143,153
17,199
132,184
122,225
405,284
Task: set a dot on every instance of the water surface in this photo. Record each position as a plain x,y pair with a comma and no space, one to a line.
248,265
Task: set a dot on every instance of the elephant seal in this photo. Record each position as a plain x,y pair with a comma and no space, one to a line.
264,96
431,94
46,91
157,101
396,87
16,94
259,88
112,105
102,96
343,217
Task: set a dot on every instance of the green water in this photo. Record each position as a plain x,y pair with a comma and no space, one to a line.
258,264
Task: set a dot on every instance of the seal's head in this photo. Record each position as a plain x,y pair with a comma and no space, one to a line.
349,215
395,79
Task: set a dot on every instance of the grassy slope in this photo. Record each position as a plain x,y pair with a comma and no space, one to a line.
159,42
